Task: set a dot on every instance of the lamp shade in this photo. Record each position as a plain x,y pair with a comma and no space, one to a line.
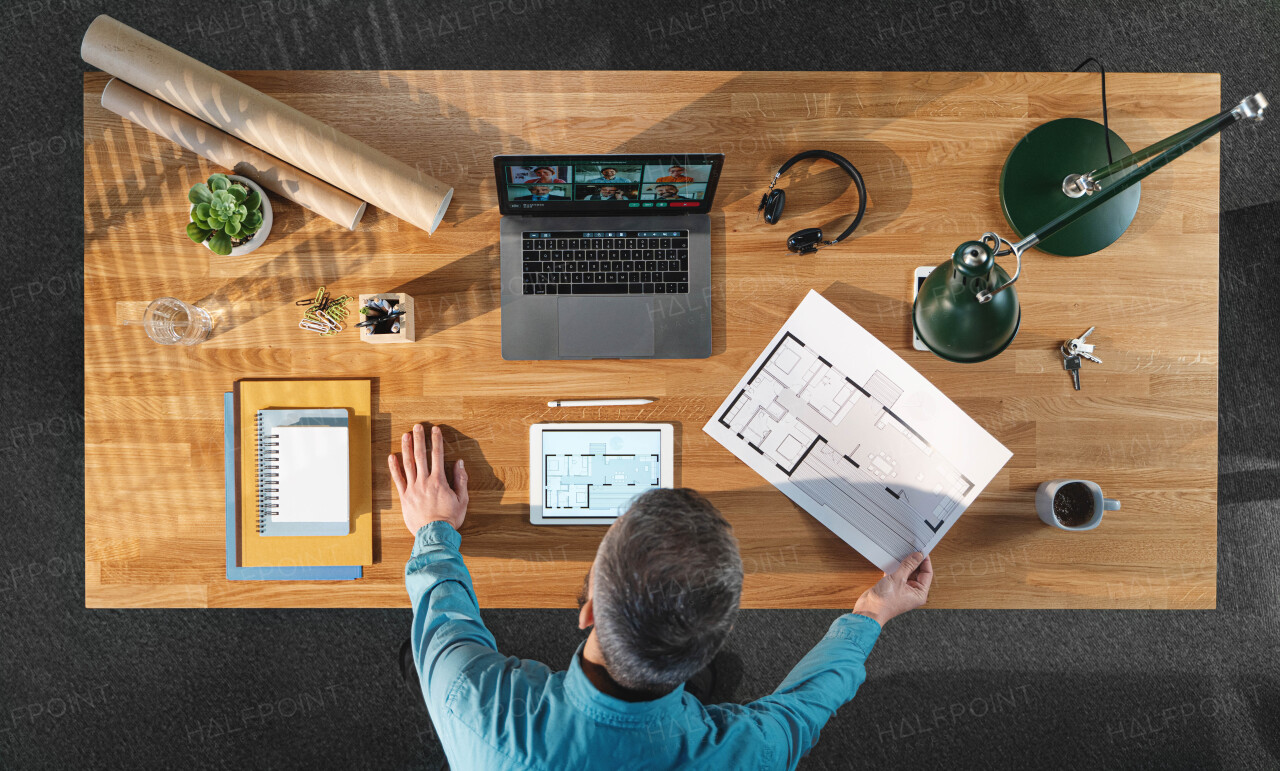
948,316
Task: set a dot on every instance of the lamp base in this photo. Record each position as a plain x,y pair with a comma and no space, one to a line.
1031,186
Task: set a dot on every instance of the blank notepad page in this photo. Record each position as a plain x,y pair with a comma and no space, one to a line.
314,464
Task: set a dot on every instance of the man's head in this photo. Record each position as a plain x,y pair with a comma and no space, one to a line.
664,590
676,171
667,191
607,191
540,189
608,173
545,173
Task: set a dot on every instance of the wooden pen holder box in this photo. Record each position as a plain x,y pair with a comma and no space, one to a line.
376,333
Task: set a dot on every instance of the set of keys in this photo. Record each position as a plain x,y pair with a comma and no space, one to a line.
1073,351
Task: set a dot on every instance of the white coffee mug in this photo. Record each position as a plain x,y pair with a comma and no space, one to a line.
1049,490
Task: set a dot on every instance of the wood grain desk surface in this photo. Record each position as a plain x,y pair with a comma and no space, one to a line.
930,146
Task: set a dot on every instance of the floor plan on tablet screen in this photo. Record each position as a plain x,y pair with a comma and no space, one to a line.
595,473
855,436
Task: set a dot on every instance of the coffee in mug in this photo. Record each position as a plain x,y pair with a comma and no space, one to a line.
1072,504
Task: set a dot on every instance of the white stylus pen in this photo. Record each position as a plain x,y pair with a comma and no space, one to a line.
598,402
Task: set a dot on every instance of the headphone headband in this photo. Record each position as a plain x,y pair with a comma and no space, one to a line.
838,160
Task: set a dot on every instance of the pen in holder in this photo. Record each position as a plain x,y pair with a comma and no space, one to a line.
387,318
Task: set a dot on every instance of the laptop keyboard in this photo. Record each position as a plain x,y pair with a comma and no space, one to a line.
602,263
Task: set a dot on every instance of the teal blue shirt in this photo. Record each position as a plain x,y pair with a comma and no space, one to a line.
500,712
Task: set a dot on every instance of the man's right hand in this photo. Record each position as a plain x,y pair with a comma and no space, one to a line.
425,494
906,588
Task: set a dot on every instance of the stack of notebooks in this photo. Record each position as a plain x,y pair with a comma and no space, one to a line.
300,489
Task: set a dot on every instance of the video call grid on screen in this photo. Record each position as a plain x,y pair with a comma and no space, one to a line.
606,184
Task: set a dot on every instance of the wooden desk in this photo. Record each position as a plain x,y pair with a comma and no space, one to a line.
930,145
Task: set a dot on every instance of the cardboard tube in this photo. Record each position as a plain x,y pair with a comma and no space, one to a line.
264,122
227,151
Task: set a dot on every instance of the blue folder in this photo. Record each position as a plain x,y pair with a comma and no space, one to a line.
234,571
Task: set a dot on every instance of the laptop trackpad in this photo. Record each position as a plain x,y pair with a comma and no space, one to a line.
605,326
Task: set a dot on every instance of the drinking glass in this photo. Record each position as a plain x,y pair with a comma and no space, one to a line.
170,321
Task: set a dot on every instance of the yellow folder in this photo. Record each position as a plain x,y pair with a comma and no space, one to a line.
356,548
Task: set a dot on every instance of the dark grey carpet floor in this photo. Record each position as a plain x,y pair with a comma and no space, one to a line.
283,689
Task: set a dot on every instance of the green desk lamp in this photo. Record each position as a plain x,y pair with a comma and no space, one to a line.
967,309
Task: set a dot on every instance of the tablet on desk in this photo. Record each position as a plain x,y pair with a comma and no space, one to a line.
588,473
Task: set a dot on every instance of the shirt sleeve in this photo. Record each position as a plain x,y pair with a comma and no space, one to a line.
447,632
824,680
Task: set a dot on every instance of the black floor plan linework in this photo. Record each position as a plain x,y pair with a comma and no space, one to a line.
842,445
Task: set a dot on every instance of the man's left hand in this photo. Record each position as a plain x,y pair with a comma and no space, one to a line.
902,590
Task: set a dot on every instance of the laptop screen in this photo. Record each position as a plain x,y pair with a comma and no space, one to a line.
563,185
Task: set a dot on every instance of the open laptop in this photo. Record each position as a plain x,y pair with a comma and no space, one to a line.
606,256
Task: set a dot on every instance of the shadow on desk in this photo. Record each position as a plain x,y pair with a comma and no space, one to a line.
888,317
484,486
469,287
456,292
290,276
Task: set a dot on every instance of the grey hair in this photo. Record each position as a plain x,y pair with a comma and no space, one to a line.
667,582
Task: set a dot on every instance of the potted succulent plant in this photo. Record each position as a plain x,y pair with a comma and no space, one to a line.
229,214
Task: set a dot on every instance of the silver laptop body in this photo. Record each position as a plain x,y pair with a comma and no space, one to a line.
645,326
583,325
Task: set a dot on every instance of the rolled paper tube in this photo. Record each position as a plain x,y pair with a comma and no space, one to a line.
225,150
265,122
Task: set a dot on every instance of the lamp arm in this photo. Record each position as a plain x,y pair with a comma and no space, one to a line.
1251,107
1164,151
1174,147
1133,159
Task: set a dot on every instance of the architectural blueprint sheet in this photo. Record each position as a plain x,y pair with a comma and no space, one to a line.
855,436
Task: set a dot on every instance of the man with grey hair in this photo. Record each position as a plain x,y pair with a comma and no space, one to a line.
659,599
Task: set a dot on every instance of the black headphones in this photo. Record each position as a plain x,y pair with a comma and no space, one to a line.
808,241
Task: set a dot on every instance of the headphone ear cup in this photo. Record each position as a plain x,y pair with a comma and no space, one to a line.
773,206
805,241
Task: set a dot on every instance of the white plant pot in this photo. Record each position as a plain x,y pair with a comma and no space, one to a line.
260,237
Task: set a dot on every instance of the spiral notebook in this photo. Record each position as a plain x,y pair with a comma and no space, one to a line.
303,472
